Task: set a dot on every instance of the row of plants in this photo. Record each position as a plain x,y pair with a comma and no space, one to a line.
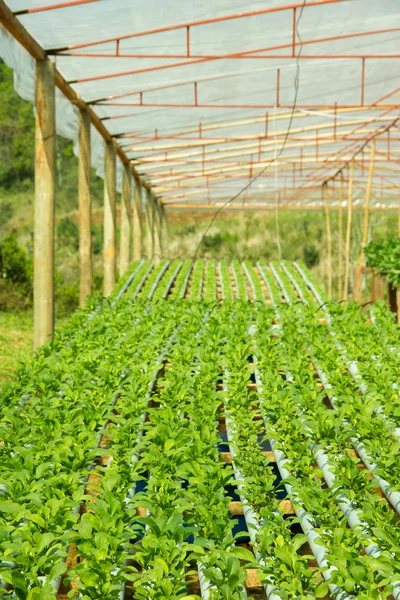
302,425
196,285
254,281
210,283
181,281
153,279
369,372
285,571
157,280
104,538
271,283
372,364
226,287
188,522
164,287
52,440
240,281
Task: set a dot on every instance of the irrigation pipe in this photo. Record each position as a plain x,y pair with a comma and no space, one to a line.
345,505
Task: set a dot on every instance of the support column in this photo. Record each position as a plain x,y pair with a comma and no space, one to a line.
366,205
85,209
43,279
329,238
149,242
348,232
376,286
164,232
136,221
125,233
157,250
110,233
358,269
340,248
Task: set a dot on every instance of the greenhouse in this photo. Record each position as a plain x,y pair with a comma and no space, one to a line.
205,428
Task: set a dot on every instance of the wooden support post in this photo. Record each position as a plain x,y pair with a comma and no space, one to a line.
329,238
376,286
348,232
45,138
157,250
398,223
392,298
110,232
340,248
164,231
367,199
357,282
125,233
136,220
358,269
398,304
149,226
85,209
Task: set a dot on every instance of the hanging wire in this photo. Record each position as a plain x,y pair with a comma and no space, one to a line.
250,183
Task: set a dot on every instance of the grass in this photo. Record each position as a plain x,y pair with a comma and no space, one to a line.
16,338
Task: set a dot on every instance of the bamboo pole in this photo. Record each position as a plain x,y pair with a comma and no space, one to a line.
110,233
45,132
136,220
149,226
329,238
348,232
85,209
220,155
261,206
222,163
281,133
168,177
358,269
367,199
340,248
164,232
125,233
398,222
157,251
282,116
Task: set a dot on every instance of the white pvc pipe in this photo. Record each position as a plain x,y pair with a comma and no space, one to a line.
318,550
344,503
171,280
280,283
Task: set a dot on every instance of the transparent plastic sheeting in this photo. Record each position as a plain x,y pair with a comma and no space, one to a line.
222,82
23,65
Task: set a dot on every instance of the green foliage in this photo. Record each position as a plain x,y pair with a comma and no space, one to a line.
68,233
384,256
16,135
84,425
15,265
310,255
212,243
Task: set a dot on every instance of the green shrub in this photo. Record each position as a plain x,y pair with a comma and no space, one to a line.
68,233
15,265
384,256
310,256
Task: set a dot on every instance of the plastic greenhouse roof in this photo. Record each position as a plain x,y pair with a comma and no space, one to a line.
201,97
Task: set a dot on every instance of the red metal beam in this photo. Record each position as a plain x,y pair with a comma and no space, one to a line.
317,176
242,15
236,55
251,54
36,9
225,106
